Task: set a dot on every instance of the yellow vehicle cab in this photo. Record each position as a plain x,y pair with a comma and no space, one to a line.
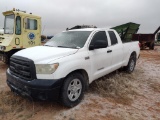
21,30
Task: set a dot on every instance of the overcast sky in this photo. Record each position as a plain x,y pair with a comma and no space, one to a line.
57,15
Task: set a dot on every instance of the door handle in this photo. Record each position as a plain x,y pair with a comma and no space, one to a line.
109,51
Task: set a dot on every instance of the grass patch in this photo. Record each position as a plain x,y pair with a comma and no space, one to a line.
155,87
116,86
15,105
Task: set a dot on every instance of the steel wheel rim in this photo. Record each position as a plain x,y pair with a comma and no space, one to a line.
74,89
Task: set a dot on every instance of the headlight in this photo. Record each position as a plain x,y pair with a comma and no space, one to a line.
46,68
2,48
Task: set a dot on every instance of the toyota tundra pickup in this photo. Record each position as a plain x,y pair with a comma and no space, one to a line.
65,66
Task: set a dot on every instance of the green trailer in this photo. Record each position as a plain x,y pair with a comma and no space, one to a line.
127,30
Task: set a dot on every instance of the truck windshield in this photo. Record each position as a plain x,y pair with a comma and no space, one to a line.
9,24
69,39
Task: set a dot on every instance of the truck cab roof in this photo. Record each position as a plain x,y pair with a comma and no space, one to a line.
90,29
18,12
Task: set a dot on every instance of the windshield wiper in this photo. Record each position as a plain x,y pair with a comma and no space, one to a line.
49,45
69,47
63,46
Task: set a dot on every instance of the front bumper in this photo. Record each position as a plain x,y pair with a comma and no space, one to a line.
37,89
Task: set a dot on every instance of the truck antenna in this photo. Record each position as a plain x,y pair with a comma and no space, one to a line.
43,29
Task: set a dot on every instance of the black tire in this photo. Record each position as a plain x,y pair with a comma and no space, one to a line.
131,64
6,59
151,47
72,94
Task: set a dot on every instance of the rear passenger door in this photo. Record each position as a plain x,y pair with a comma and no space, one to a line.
100,58
117,51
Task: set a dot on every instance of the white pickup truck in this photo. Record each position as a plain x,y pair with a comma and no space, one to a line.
65,66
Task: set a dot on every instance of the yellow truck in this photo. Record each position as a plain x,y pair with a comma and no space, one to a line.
21,30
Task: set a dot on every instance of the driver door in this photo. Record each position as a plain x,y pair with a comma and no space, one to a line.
100,58
31,34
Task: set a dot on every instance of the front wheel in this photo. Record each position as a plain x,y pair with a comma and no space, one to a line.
6,58
131,64
72,90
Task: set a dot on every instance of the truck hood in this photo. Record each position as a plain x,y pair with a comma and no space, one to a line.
45,54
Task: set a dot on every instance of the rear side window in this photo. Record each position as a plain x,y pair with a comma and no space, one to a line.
31,24
113,38
101,35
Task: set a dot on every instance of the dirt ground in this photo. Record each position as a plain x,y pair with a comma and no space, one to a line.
117,96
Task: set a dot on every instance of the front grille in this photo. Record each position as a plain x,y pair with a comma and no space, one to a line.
22,67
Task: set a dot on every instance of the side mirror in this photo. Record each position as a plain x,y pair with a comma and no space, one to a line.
91,47
98,44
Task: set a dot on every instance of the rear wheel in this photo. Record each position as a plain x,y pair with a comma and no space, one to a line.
151,46
72,90
131,64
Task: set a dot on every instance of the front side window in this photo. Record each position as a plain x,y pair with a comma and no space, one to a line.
101,35
30,24
9,24
70,39
18,25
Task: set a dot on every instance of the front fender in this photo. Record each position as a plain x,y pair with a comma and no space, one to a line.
69,64
72,63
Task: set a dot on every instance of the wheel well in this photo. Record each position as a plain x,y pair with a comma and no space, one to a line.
134,54
14,51
84,74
